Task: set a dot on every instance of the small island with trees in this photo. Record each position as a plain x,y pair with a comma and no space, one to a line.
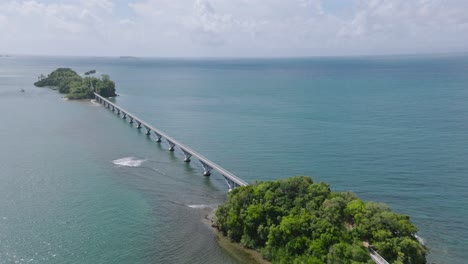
90,72
298,221
74,86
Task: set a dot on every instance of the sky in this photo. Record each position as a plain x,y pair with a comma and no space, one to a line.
232,28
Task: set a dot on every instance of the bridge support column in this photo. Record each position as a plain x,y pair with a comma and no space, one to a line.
113,109
118,111
148,131
131,119
171,145
187,155
158,137
206,169
124,115
139,124
231,184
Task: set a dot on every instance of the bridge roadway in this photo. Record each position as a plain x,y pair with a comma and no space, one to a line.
232,180
373,254
376,257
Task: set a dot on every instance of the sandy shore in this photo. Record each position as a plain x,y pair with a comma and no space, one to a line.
234,249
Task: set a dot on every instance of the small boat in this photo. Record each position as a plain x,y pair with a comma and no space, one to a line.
22,90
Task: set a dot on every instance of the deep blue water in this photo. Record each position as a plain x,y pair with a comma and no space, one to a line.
391,129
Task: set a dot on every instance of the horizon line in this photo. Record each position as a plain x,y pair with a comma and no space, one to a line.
130,57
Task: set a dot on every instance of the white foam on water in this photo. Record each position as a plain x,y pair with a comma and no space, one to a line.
201,206
94,102
129,162
420,239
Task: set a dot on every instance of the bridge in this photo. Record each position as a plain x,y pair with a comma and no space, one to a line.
374,255
232,180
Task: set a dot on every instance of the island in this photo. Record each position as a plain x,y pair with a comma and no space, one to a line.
298,221
128,57
90,72
74,86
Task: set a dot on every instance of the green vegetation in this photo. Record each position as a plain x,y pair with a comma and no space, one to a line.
69,82
298,221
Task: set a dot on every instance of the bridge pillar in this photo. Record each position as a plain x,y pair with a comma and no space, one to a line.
124,115
187,155
118,111
206,169
113,109
139,124
230,183
148,131
131,119
171,145
158,137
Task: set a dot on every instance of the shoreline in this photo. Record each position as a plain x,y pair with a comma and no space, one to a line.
236,250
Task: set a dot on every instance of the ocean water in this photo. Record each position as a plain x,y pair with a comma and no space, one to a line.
80,185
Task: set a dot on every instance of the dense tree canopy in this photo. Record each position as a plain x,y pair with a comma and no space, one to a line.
71,83
298,221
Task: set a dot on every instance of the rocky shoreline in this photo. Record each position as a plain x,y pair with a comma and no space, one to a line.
236,250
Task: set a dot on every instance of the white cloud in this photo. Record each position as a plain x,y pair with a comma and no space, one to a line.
231,27
36,27
409,26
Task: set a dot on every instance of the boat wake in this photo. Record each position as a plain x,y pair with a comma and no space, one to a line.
129,162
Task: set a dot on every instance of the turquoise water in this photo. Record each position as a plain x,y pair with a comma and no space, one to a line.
79,185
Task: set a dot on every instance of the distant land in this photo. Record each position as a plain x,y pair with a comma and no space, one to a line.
128,57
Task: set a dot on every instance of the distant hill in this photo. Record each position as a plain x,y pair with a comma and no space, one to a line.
128,57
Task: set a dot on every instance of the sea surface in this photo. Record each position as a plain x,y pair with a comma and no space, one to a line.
78,184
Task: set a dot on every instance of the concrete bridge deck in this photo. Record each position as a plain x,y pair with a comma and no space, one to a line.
208,165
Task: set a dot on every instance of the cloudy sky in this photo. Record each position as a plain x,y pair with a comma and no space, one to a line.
232,28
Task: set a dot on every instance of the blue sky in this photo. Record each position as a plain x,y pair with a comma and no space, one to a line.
233,28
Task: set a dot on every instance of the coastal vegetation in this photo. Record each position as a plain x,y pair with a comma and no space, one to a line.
74,86
298,221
